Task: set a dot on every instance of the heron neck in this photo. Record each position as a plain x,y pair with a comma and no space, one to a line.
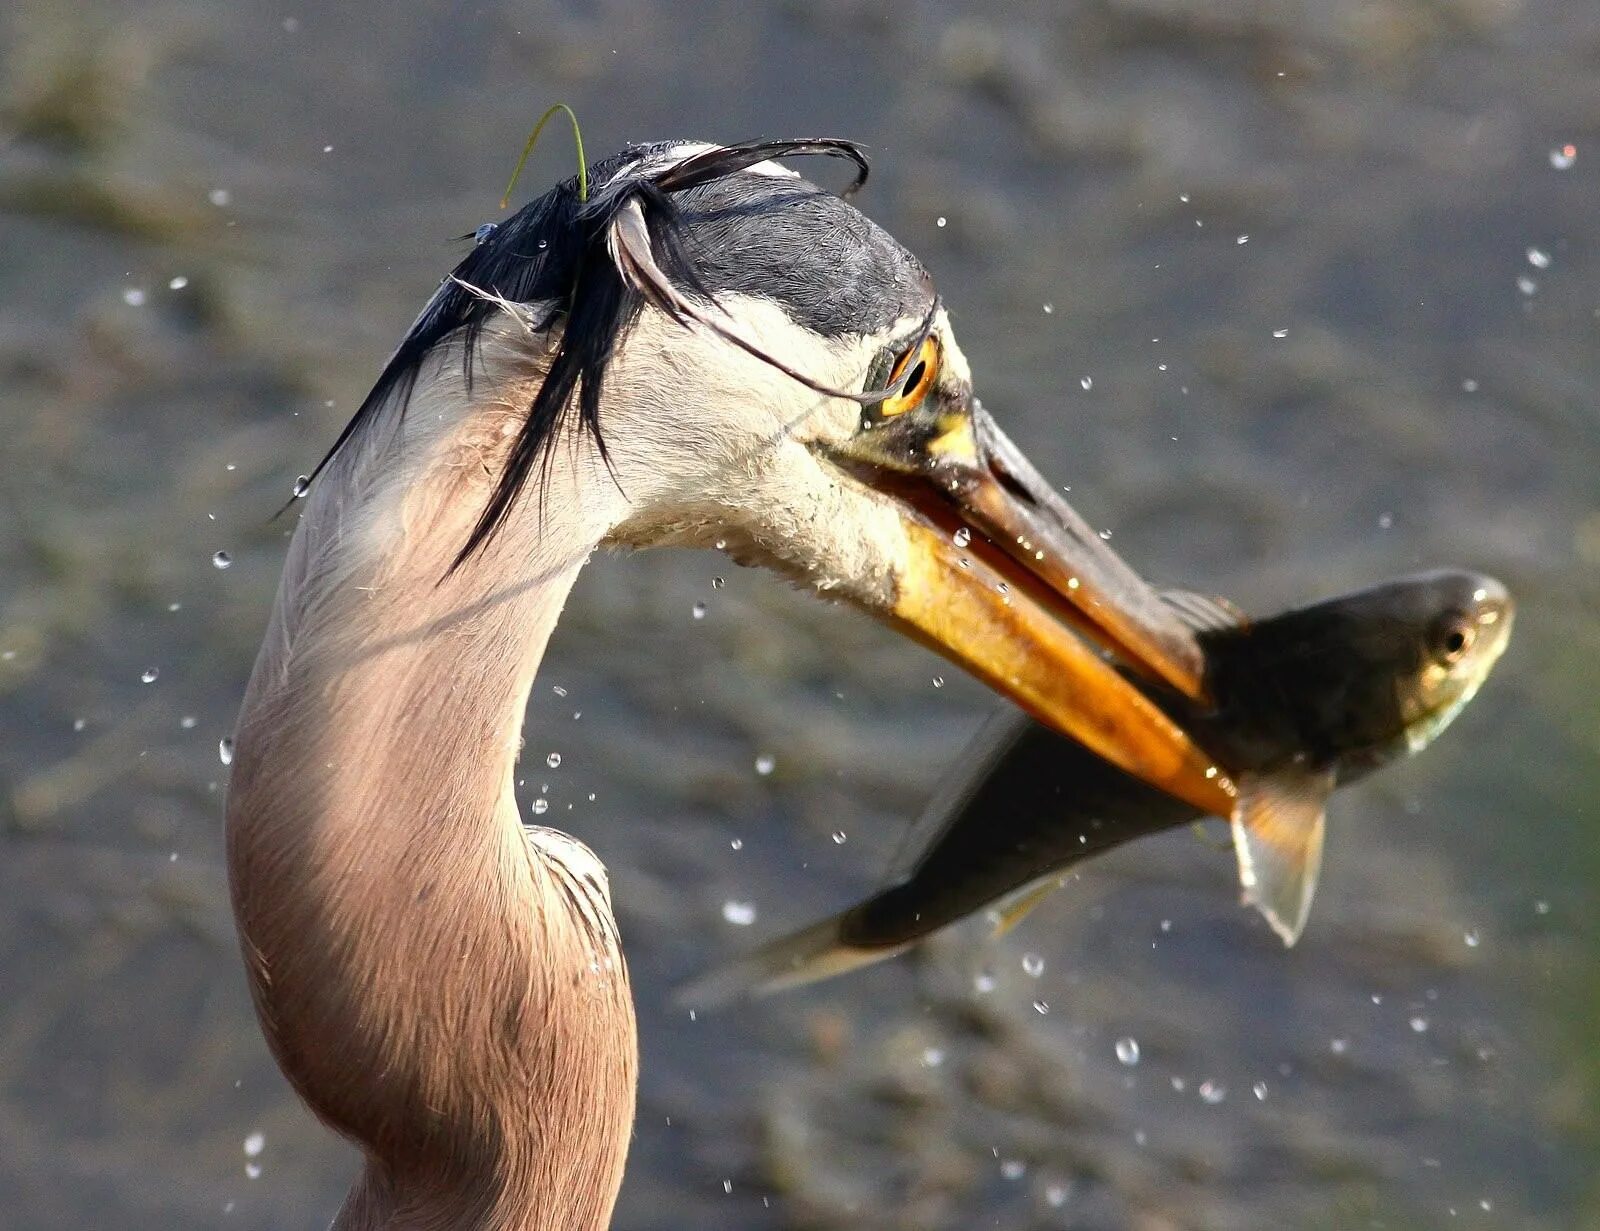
438,985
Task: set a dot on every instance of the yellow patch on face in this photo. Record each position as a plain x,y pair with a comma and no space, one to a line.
956,441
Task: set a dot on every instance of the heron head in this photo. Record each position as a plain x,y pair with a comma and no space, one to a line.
758,366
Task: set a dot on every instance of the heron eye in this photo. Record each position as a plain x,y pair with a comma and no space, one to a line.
914,372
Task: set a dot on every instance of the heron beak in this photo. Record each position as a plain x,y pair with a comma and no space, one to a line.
1005,578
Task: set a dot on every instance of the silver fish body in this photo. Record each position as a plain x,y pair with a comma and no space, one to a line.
1301,702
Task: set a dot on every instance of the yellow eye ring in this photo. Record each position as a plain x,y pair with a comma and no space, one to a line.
919,368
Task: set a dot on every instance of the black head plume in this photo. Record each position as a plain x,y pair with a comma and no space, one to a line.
590,267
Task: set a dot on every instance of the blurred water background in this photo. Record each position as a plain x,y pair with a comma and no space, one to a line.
1295,295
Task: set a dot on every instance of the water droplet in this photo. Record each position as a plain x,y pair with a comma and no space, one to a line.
1419,1025
766,763
149,675
1260,1091
1385,521
932,1057
253,1170
941,221
1049,309
301,486
1041,1006
983,982
254,1144
1280,333
1013,1168
225,750
839,837
721,543
553,760
1055,1195
187,722
1128,1050
133,296
1087,382
79,724
558,690
1538,258
1541,907
1105,534
1243,239
1032,965
541,806
220,197
698,611
1527,285
1212,1092
718,582
484,232
221,559
1471,938
736,843
740,914
177,283
938,681
727,1186
1563,156
1179,1084
961,537
1338,1046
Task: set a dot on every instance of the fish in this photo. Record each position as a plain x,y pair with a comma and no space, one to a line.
1299,704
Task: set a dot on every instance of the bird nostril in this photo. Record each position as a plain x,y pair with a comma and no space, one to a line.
1012,486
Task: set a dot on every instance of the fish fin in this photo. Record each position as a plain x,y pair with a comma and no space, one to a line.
1020,905
1203,613
1278,826
985,756
807,956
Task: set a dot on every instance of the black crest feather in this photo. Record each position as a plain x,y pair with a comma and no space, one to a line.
559,253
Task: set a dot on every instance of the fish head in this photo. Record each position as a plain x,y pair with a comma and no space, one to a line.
1459,645
1354,681
1397,662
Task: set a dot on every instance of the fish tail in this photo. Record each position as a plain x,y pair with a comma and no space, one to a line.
807,956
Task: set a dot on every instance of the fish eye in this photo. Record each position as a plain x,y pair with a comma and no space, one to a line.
914,373
1454,637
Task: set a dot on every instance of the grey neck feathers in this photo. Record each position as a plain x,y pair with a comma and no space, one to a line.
439,986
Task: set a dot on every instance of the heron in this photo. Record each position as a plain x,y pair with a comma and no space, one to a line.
693,346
